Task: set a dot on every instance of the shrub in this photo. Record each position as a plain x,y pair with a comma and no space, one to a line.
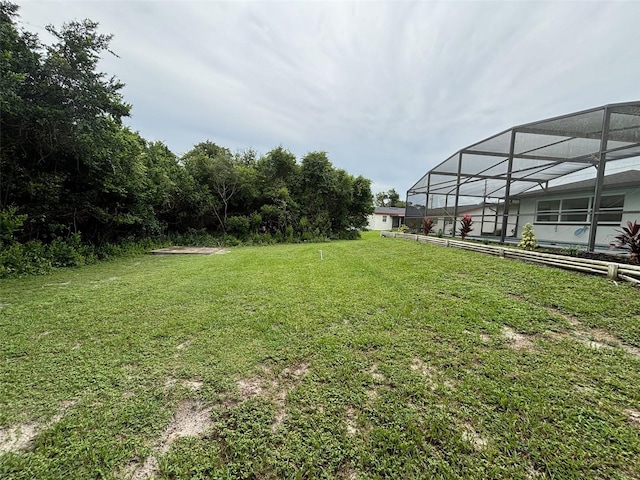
427,225
403,228
67,252
465,226
239,226
10,222
629,239
528,240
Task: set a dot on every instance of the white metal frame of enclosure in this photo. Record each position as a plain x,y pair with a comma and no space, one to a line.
527,157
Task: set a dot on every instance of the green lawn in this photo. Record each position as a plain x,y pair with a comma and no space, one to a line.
386,359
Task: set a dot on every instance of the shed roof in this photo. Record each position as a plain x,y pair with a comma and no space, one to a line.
393,211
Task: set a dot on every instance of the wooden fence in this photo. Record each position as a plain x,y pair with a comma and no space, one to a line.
612,270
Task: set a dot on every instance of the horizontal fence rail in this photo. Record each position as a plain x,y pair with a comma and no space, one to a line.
612,270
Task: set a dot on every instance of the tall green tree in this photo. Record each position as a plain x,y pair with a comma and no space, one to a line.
60,126
388,199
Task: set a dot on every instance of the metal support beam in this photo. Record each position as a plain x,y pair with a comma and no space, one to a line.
426,206
507,190
455,208
597,195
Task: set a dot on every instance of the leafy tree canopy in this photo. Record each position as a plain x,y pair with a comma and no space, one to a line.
69,168
389,199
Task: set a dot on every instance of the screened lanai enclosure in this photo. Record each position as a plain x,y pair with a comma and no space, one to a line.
576,178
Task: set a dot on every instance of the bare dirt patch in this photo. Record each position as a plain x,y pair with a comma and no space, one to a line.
351,420
191,419
595,338
470,435
183,345
571,320
192,385
633,417
431,375
518,341
276,389
179,250
377,376
20,437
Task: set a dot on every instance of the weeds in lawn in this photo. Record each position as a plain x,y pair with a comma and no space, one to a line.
267,363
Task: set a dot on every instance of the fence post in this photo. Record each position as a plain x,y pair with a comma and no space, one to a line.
612,271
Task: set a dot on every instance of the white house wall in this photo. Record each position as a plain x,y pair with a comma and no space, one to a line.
574,234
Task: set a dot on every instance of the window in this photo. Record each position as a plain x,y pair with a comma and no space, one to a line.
547,211
384,219
611,207
578,210
575,209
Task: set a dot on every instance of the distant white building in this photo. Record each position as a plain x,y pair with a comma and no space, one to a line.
386,218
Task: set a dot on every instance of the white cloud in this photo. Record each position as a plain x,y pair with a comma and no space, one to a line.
389,89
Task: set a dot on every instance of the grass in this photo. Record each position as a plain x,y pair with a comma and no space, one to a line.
386,359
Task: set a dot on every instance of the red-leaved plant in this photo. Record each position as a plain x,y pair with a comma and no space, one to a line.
629,239
427,226
465,226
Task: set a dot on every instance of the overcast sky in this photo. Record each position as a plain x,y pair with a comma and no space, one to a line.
388,88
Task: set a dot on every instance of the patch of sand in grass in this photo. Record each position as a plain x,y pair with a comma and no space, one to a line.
347,474
595,338
431,374
191,419
351,421
633,417
19,437
470,435
276,389
375,374
532,472
484,338
181,347
192,385
518,341
571,320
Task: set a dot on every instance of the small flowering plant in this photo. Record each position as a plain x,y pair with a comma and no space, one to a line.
529,240
465,226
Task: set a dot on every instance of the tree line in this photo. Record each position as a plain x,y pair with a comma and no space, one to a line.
69,167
